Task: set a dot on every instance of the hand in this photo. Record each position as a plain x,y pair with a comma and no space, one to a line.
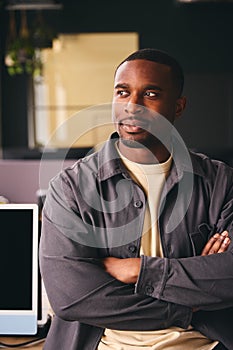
125,270
218,243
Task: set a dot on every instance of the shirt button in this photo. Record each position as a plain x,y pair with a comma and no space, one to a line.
149,289
138,204
132,248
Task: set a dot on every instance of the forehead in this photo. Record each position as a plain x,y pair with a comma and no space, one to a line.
144,71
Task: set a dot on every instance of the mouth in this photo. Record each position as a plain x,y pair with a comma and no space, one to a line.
133,125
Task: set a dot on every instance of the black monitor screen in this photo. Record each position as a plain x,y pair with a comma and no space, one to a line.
16,259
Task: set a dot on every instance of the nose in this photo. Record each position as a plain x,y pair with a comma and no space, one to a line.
133,108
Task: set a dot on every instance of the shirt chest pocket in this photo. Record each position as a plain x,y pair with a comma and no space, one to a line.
200,237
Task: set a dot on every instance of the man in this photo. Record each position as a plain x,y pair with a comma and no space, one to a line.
130,232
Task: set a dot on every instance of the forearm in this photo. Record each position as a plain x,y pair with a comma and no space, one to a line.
205,282
191,281
111,304
79,289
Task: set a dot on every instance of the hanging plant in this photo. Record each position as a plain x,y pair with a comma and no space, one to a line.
21,55
19,58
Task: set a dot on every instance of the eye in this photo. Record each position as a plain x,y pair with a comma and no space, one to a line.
151,94
122,93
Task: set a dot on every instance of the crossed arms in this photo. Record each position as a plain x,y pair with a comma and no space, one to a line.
127,270
83,285
80,289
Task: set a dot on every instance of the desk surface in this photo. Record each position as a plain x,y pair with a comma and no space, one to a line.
19,340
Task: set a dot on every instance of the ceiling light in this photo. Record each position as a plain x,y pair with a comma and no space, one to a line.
33,5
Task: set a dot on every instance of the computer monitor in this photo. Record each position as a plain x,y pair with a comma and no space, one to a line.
18,269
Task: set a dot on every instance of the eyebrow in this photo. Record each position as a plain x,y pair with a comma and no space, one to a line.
146,87
122,86
153,87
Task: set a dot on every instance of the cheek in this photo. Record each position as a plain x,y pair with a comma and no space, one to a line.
160,106
168,111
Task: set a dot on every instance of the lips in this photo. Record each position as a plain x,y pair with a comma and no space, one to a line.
133,126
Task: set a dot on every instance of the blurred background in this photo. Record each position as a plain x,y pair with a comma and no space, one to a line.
58,59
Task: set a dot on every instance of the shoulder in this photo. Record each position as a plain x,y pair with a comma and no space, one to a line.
205,160
210,168
86,166
97,166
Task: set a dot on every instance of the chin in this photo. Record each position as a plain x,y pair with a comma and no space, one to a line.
131,143
142,140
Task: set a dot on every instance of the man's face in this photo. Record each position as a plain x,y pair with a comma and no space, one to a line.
142,91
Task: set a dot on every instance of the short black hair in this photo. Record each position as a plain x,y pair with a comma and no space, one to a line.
158,56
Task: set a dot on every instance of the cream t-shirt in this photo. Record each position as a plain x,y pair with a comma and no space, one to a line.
152,177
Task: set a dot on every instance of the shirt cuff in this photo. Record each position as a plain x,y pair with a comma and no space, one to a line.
152,276
151,282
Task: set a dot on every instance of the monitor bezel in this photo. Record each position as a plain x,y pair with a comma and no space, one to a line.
24,321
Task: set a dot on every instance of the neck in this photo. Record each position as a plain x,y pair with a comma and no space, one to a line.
144,155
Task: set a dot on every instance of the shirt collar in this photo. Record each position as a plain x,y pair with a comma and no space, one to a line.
110,164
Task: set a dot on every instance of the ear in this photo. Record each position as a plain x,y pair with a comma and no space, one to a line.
180,106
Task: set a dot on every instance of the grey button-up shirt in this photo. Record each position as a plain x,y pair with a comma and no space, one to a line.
94,209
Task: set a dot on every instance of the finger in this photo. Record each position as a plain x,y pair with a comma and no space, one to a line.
210,243
217,244
221,244
224,246
214,244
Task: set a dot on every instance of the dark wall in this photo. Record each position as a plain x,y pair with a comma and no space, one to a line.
198,35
